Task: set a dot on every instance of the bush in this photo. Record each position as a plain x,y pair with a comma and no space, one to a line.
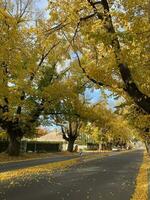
92,146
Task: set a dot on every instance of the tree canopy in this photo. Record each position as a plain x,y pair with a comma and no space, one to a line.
48,64
111,43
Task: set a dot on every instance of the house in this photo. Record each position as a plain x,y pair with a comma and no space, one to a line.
54,136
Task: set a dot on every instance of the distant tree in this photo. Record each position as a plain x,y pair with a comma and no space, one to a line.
110,130
70,112
140,121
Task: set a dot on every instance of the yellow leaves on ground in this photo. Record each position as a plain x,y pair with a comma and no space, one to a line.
28,173
34,172
141,190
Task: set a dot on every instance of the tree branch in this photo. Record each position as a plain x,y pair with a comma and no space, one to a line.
64,134
83,69
87,17
93,4
47,53
90,78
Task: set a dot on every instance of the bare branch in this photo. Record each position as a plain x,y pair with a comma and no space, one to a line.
22,11
55,28
47,53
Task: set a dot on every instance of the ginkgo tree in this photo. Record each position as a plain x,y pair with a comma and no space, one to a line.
121,132
29,57
139,121
110,39
110,131
71,109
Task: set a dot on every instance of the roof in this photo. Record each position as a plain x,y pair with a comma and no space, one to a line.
52,136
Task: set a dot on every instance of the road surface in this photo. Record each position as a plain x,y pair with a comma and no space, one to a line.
108,178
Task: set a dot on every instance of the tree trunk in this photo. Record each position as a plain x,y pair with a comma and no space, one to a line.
70,145
14,146
147,145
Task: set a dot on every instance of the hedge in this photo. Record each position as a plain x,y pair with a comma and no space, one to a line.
43,146
92,146
33,146
3,145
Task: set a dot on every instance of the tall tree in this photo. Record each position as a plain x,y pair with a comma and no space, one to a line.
28,65
70,110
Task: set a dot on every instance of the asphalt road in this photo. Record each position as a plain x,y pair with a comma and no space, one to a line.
108,178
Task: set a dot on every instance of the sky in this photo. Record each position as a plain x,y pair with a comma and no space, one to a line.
42,3
95,96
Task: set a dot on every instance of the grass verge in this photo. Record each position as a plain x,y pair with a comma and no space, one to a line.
5,158
34,172
141,190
